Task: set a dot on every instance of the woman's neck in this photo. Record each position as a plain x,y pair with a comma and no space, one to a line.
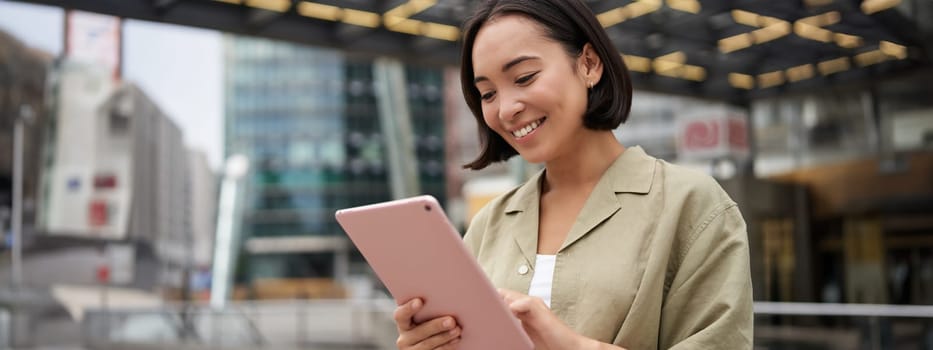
585,165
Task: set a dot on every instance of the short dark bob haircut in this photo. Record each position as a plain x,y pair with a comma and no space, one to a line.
570,23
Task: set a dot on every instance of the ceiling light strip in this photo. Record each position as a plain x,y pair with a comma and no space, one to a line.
745,17
402,12
632,10
694,73
411,8
637,63
801,72
361,18
669,64
847,41
671,73
673,65
869,58
771,32
685,72
320,11
771,79
337,14
833,66
874,6
407,26
440,31
894,50
398,20
822,20
690,6
742,81
676,56
812,32
270,5
736,42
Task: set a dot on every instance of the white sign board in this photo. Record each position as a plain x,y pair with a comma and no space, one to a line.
94,38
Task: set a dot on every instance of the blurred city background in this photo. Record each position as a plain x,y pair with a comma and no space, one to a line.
169,169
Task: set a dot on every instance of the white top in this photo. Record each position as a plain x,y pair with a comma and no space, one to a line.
543,278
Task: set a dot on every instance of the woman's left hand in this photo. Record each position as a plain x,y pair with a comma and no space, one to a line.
544,328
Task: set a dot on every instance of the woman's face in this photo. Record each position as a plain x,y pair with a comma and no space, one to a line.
533,94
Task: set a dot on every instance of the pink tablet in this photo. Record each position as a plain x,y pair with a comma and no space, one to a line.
416,252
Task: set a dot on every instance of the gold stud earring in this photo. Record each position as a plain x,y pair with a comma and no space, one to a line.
589,84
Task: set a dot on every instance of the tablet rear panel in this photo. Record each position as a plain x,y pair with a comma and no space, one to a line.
416,252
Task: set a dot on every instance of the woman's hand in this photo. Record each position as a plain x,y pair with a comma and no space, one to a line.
543,327
439,333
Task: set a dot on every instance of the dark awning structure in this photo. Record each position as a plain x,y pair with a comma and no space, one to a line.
731,50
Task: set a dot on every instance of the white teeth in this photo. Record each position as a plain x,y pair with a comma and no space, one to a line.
527,129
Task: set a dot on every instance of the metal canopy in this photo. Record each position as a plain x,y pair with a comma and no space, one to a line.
731,50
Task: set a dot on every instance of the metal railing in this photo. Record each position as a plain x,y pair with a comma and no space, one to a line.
781,325
367,324
317,324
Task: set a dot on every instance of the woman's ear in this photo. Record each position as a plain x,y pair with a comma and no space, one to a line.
590,65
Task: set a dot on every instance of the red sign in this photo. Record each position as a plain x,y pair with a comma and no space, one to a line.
711,134
103,274
97,213
738,134
105,181
702,134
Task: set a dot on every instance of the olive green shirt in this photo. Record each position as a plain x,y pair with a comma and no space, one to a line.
657,258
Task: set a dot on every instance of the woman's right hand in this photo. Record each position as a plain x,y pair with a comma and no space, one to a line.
439,333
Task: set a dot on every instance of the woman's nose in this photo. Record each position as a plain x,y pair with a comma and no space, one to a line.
510,109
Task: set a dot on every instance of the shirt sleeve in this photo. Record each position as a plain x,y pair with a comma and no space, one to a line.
709,303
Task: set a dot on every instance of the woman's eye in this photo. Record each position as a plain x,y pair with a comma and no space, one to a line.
525,78
488,96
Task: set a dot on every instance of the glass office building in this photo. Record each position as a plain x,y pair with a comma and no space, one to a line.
308,119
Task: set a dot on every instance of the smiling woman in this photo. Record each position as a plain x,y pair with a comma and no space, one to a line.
607,247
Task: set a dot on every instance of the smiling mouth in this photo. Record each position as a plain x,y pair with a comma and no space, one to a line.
520,133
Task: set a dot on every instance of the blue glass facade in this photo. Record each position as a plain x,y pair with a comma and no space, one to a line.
308,119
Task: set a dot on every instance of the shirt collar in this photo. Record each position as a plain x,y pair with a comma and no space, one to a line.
631,172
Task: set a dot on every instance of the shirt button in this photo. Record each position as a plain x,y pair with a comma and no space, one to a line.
523,269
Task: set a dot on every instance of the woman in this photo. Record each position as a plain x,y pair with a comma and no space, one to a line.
607,247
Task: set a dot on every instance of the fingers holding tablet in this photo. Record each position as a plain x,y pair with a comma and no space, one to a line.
438,333
405,313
